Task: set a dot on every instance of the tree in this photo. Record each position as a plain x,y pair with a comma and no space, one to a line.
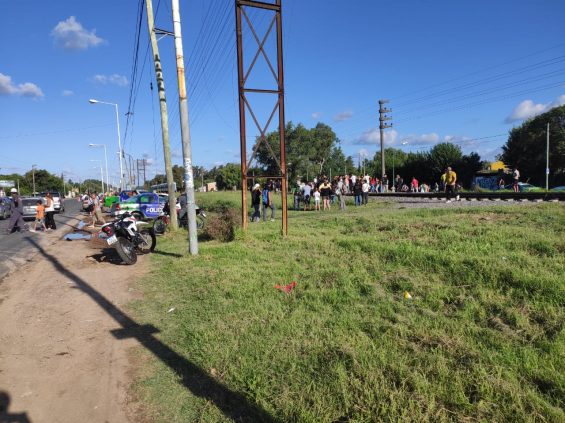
526,147
309,152
443,155
229,176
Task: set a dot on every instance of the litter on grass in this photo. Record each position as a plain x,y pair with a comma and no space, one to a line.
286,288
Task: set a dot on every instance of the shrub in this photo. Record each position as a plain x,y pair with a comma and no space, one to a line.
222,225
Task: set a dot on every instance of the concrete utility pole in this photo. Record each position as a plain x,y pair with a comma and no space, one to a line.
164,116
185,135
382,126
547,160
33,178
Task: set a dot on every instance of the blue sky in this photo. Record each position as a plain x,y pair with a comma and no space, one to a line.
463,71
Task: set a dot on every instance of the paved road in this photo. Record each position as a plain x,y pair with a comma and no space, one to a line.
15,250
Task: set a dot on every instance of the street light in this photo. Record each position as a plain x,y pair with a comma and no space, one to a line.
101,173
92,101
105,159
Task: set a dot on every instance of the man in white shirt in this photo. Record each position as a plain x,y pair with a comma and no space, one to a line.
365,188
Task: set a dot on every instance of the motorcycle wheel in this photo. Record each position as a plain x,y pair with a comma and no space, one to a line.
126,251
160,227
149,242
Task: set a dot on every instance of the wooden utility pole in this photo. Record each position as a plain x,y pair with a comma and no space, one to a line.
185,134
164,116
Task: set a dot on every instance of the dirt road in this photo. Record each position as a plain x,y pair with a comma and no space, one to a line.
59,359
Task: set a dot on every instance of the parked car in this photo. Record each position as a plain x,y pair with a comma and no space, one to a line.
143,206
5,207
558,189
30,207
57,200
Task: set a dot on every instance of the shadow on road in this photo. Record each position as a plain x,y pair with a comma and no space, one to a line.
107,255
5,416
233,404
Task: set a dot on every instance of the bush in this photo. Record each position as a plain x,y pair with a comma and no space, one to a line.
222,225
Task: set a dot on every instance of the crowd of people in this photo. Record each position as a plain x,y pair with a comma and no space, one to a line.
321,193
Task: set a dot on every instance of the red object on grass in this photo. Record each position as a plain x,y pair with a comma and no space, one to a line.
286,288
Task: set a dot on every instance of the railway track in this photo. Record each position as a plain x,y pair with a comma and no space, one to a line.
477,196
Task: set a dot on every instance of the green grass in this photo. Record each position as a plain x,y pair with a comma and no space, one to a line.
482,338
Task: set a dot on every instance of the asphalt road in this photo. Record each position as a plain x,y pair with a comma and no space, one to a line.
16,250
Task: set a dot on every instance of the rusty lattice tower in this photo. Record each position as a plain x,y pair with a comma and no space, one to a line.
273,11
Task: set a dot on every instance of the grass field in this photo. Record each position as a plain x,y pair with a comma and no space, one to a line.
482,337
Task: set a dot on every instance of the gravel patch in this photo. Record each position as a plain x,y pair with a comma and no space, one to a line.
434,203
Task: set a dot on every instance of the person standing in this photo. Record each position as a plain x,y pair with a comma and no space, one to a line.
365,191
325,192
399,183
296,195
49,212
358,192
16,213
268,202
256,202
414,184
516,179
384,183
96,211
450,181
316,196
442,184
306,192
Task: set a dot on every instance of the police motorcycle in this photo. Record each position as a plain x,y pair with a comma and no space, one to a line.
129,237
161,222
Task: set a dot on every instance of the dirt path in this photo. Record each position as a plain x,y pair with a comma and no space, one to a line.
59,361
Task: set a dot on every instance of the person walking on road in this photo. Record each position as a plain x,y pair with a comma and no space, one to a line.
39,216
49,212
16,211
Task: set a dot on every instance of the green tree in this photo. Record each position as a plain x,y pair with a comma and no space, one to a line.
526,148
443,155
309,152
229,176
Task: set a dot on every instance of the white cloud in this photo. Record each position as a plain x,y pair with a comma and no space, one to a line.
372,136
71,35
67,93
528,109
316,115
113,79
343,116
27,89
363,153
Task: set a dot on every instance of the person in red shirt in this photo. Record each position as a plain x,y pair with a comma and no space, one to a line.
414,184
